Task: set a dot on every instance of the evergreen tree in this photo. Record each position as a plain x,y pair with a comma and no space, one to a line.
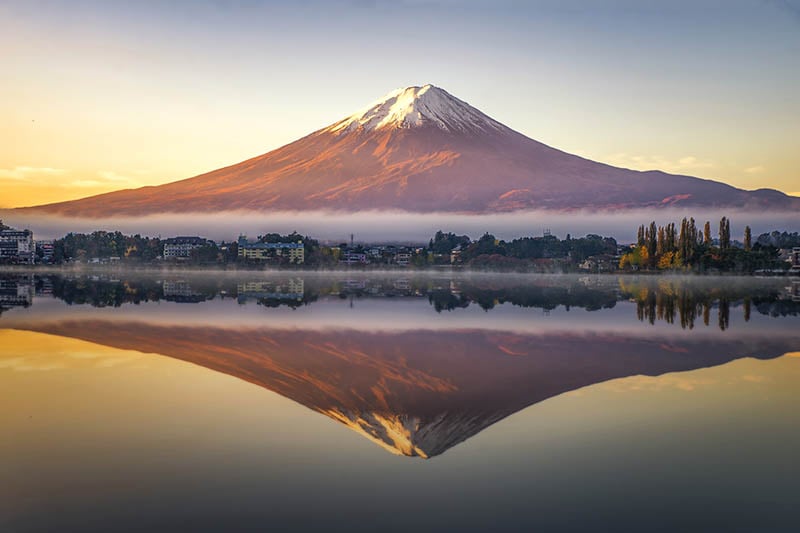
652,233
707,233
682,242
724,233
748,236
728,232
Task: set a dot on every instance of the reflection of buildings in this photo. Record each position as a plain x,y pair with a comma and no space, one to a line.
794,259
181,291
291,289
17,246
16,292
794,291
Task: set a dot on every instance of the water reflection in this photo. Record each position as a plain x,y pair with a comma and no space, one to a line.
427,373
676,300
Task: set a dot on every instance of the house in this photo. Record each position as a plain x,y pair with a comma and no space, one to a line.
17,246
600,263
455,255
794,259
44,251
402,258
265,251
353,258
182,247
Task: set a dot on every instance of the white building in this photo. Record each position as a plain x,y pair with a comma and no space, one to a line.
181,247
265,251
17,246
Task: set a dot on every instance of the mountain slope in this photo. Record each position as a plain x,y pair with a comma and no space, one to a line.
419,149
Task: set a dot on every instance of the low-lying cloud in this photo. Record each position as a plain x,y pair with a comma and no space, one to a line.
395,226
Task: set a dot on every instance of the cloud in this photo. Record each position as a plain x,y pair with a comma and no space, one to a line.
373,226
85,183
657,162
103,178
23,173
111,176
758,169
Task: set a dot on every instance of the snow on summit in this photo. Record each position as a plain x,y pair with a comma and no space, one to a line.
419,106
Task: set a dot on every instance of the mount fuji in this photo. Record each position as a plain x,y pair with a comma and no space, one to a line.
420,149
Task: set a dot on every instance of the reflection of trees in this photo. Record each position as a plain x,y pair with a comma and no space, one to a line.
445,300
545,297
292,303
104,293
724,313
683,301
666,300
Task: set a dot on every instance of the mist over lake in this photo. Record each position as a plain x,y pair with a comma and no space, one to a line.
398,226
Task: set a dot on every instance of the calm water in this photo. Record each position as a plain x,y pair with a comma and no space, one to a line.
381,403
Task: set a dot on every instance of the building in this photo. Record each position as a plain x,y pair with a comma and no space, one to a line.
295,252
599,263
353,258
455,255
182,247
44,251
402,258
794,258
17,246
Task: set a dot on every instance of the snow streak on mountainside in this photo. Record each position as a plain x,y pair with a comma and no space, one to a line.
420,149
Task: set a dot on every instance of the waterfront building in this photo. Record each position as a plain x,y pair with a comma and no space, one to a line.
17,246
265,251
182,247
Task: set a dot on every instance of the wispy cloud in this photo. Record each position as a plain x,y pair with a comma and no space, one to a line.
103,178
86,183
657,162
23,173
110,175
758,169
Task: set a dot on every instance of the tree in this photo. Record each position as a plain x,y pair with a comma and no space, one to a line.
652,244
748,237
707,233
724,233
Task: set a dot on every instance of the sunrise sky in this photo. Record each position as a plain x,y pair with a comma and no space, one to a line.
101,95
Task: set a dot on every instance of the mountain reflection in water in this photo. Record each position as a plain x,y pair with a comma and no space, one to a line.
434,373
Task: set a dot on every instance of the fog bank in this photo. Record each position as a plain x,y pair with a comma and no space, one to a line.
373,226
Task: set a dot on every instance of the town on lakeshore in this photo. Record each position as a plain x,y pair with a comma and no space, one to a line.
681,248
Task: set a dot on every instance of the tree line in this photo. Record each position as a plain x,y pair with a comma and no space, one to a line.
687,247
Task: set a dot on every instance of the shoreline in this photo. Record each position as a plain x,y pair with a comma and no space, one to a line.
450,270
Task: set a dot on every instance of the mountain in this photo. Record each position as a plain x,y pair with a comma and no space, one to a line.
416,393
420,149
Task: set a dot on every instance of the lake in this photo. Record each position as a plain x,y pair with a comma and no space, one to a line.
384,402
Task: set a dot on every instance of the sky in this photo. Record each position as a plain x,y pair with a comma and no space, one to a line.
101,95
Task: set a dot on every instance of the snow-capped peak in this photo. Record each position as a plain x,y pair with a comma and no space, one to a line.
419,106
